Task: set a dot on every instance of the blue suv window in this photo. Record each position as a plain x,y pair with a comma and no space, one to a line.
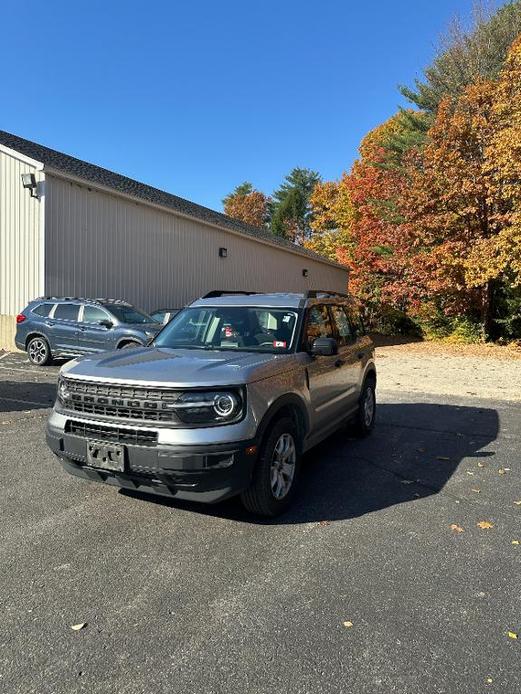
93,314
66,311
42,309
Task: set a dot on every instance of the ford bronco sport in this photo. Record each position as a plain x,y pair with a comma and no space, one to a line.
224,401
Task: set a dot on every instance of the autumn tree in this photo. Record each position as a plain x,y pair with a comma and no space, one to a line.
291,212
357,221
331,221
467,56
451,206
248,205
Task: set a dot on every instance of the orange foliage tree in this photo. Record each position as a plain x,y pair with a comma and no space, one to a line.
248,205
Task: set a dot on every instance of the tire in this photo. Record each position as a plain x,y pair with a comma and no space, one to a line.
272,490
366,415
38,351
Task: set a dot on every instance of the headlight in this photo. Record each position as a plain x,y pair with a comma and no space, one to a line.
209,407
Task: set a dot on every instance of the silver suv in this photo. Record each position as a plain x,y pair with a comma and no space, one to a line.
224,401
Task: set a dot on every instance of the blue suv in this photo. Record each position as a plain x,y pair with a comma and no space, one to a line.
66,327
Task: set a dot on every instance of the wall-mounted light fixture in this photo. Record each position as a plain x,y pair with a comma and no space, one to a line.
223,252
29,182
305,273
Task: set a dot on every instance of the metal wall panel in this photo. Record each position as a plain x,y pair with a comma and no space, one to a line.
100,244
21,236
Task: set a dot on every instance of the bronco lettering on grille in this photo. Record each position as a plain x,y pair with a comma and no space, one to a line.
120,402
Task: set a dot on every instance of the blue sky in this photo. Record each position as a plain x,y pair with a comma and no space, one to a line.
196,97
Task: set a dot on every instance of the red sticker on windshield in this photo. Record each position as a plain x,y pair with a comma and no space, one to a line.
279,343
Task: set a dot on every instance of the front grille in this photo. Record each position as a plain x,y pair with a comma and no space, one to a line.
122,391
153,397
137,437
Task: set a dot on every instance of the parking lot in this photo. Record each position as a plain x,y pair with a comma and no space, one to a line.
396,571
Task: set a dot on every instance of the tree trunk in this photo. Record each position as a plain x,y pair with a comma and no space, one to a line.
487,309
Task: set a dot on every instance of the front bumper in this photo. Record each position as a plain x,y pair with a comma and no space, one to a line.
207,472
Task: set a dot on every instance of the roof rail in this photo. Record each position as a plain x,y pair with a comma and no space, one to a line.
223,292
323,293
82,298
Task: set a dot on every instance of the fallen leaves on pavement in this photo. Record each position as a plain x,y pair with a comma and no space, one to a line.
484,525
348,624
515,542
512,635
78,627
517,503
457,528
475,489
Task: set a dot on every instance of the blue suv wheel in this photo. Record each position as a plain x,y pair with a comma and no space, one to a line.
38,351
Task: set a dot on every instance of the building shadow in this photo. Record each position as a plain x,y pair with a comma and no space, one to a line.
412,453
20,396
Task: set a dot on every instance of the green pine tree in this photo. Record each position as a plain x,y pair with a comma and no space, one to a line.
290,208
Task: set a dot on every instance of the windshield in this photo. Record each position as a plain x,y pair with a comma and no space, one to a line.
241,328
129,314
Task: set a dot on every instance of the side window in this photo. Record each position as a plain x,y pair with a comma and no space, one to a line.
42,309
66,312
93,314
355,320
318,325
343,327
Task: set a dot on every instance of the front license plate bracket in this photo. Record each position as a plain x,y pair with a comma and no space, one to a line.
106,456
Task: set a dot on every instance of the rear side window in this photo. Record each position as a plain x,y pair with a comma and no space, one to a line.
66,312
356,321
42,309
318,325
93,314
345,333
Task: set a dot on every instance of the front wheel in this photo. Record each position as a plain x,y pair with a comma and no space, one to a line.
366,414
274,479
38,351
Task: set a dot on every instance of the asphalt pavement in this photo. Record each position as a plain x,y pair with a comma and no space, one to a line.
379,580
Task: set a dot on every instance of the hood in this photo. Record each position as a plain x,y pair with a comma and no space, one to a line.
141,327
183,368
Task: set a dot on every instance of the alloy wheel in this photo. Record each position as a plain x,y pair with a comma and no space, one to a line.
37,351
369,406
282,469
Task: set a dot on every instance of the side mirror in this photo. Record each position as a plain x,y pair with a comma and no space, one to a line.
106,323
324,347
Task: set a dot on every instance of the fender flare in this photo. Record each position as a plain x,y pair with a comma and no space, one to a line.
291,400
36,333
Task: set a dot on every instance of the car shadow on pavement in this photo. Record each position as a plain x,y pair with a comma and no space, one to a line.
21,396
412,453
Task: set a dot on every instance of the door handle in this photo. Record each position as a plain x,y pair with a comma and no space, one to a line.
339,362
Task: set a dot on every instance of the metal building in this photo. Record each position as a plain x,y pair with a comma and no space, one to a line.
70,228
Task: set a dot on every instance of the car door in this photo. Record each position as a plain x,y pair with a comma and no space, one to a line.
325,384
65,328
93,335
349,370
